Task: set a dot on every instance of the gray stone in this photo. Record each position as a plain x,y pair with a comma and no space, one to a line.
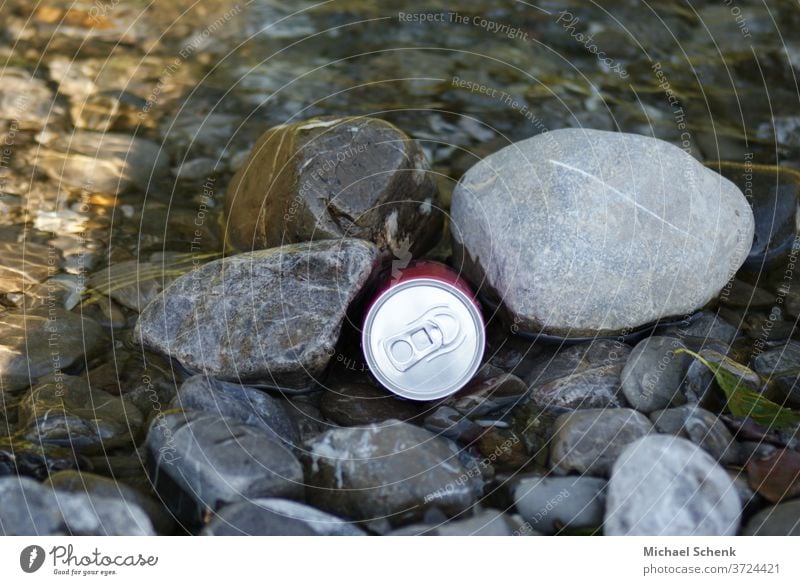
666,486
31,509
394,471
64,411
249,406
133,284
202,461
277,517
777,359
329,179
103,162
780,520
548,504
593,388
705,326
614,231
268,317
581,357
489,392
450,423
354,404
100,489
44,342
701,427
589,441
484,523
653,375
24,264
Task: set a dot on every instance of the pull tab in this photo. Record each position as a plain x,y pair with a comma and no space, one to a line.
425,337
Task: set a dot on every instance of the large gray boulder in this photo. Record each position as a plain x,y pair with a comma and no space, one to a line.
268,317
583,232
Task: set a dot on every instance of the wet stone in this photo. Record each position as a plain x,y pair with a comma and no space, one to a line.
31,339
103,162
19,457
485,523
30,508
778,359
549,504
743,295
24,264
134,284
200,461
534,196
247,405
100,488
66,412
489,392
27,100
300,293
589,441
706,326
780,520
277,517
334,178
357,404
700,426
450,423
666,486
654,374
395,471
600,353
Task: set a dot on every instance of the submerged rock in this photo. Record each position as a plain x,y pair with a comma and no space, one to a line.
614,230
329,179
269,317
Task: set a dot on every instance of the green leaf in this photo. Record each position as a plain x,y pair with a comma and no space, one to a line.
743,401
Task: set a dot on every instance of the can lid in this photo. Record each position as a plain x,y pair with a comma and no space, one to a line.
423,339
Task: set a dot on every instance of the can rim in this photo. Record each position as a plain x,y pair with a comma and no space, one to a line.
472,308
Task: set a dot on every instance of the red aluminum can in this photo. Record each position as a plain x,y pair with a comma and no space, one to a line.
423,336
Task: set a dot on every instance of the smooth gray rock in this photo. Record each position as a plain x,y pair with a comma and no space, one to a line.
267,318
250,406
780,520
393,471
589,441
706,326
277,517
201,461
653,375
43,342
777,359
666,486
548,503
32,509
702,428
485,523
328,179
578,358
103,162
584,231
100,488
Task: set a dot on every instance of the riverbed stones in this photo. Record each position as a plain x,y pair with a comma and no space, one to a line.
589,441
269,317
394,471
356,404
701,427
614,231
667,486
201,461
549,504
24,264
32,509
780,520
277,517
247,405
327,179
44,341
65,411
654,373
103,162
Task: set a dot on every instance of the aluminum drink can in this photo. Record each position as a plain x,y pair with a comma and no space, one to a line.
423,336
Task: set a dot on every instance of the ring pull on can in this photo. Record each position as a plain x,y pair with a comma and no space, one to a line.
423,336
